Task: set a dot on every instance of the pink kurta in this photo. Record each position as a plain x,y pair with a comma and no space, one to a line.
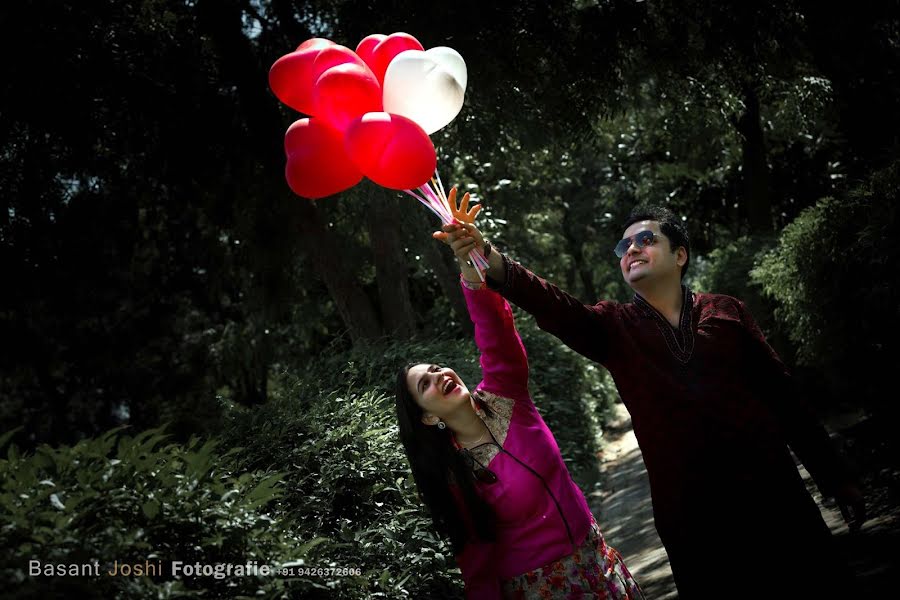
542,514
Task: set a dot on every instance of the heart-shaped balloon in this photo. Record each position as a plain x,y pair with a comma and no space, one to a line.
317,164
427,87
317,43
291,77
366,47
378,50
391,150
345,92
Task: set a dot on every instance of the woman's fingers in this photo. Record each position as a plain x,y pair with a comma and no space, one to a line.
461,237
463,246
464,205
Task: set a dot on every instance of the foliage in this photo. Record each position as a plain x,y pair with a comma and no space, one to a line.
133,499
726,270
154,258
831,278
347,480
573,395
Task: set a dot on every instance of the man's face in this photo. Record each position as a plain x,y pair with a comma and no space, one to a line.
653,262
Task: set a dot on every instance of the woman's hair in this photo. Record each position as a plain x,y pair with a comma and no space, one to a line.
435,461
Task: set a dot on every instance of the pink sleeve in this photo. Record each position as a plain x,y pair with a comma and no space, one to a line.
504,364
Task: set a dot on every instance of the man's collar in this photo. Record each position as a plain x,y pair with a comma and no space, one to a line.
649,311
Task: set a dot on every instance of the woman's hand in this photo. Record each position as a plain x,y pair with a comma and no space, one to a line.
462,236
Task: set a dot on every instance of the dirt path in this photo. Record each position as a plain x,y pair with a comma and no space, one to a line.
623,510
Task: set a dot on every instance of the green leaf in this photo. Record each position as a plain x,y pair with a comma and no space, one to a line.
305,548
264,491
151,509
6,436
372,432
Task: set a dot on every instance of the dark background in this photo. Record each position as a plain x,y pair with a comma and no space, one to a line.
155,270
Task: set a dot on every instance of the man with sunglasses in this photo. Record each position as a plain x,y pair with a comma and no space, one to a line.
714,411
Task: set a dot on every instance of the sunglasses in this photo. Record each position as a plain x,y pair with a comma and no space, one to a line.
482,473
640,239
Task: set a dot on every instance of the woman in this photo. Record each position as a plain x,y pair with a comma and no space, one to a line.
491,472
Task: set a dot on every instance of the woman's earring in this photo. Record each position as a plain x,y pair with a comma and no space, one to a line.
441,425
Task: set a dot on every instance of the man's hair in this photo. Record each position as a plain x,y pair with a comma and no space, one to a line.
670,225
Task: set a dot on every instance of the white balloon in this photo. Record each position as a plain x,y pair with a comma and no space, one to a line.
451,60
427,87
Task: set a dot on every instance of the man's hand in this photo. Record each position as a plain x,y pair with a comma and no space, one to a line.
852,504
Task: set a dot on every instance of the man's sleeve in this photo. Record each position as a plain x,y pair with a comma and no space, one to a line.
805,432
587,329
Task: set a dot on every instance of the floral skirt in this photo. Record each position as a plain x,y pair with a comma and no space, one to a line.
594,570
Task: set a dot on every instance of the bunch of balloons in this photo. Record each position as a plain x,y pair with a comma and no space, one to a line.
371,112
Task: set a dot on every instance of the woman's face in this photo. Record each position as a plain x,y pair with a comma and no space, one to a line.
438,390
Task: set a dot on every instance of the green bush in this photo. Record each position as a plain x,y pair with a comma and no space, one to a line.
726,270
574,396
131,500
833,276
347,482
315,477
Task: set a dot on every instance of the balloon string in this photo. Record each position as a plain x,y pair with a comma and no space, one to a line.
426,203
436,201
440,185
429,193
476,257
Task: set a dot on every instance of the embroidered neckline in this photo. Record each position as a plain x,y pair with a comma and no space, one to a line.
685,323
498,425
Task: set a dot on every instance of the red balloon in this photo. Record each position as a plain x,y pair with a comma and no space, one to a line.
345,92
391,150
379,55
291,77
333,56
365,48
317,163
294,75
315,43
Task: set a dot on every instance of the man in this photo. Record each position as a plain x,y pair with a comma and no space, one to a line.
714,411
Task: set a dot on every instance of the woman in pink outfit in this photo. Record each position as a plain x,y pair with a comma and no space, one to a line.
491,472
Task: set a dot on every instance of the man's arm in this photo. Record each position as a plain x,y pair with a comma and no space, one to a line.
805,433
585,328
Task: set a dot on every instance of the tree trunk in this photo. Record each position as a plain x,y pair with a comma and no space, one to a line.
356,310
222,22
390,265
754,165
575,248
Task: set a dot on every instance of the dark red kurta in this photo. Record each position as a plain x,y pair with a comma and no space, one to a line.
713,409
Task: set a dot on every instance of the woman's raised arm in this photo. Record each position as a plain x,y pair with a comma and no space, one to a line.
504,363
